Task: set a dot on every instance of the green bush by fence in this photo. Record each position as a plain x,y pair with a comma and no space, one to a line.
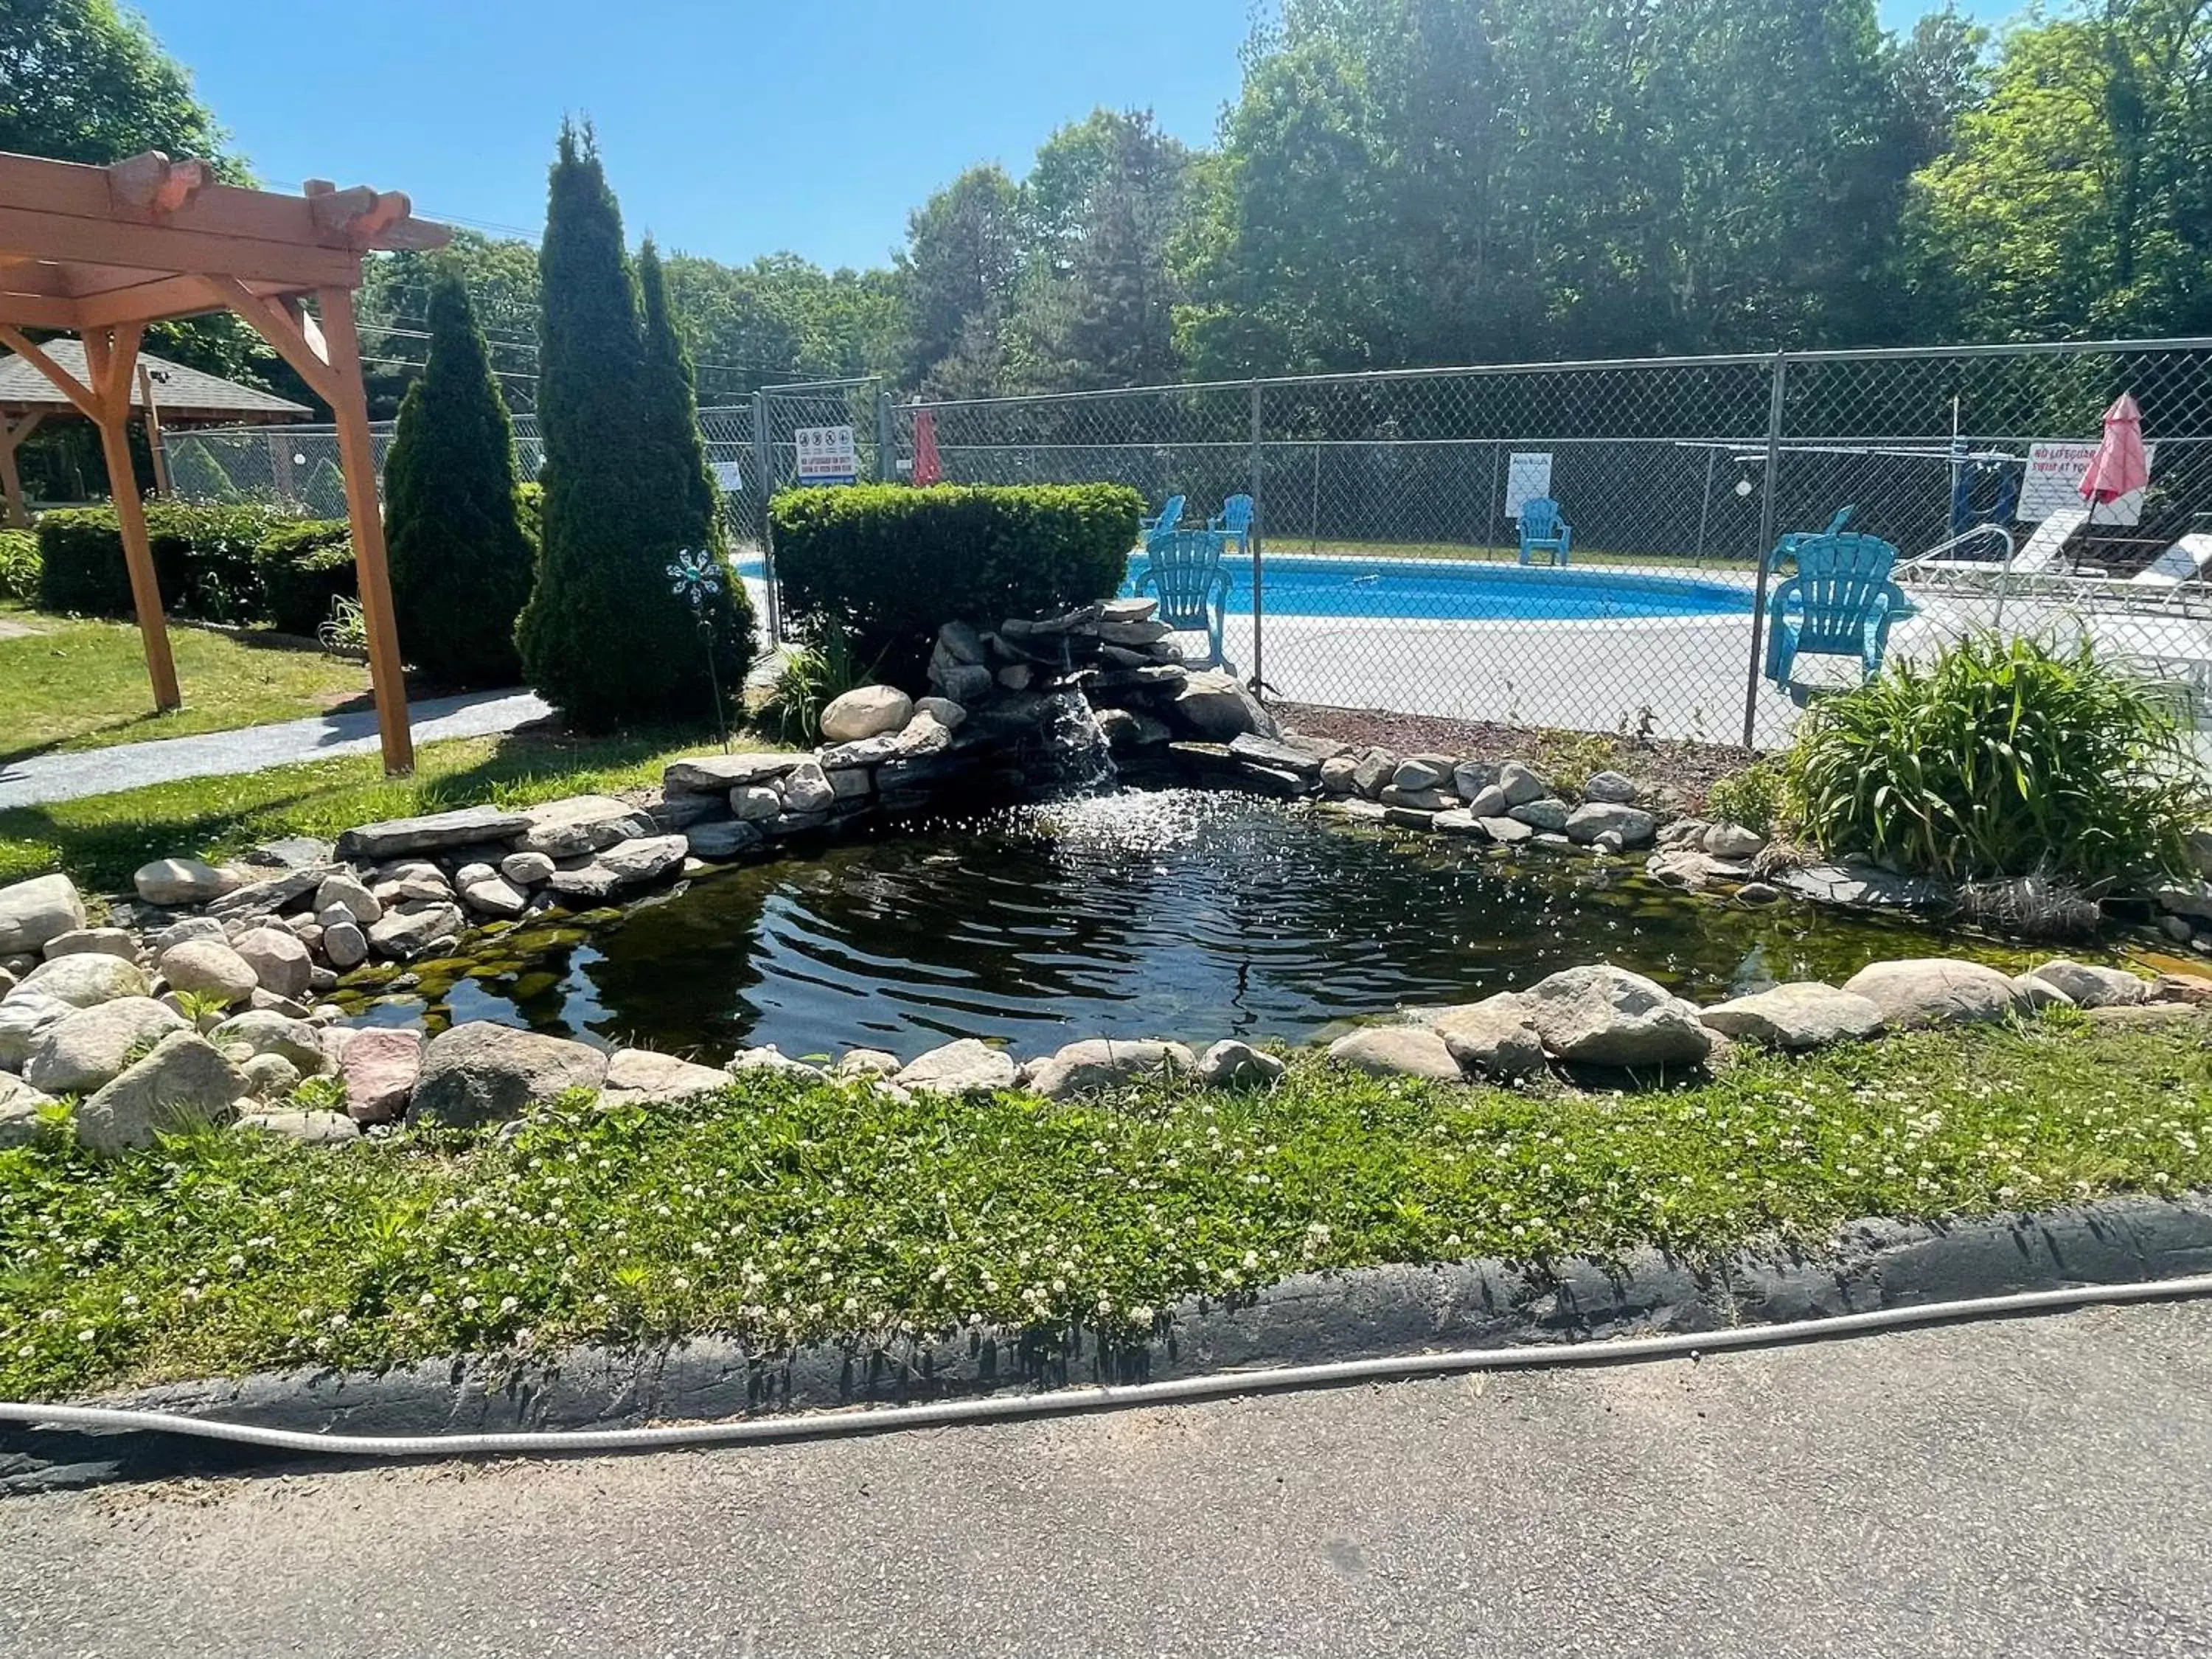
205,560
307,567
19,566
888,565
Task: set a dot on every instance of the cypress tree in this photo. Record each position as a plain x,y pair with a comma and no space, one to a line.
605,638
461,565
682,508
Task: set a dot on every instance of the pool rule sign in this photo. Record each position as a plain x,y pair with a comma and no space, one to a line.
827,455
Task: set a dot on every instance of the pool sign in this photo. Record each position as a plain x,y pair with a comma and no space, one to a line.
729,478
1527,475
827,455
2053,484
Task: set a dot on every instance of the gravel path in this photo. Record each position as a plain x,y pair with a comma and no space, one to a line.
44,778
2018,1488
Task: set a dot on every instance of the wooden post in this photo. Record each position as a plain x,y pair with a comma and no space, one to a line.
357,461
12,435
154,432
109,355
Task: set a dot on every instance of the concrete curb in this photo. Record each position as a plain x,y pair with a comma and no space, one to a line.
1305,1320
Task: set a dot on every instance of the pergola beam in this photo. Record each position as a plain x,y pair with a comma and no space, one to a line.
105,250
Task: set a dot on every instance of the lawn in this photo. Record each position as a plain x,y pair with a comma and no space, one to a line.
785,1212
75,684
100,838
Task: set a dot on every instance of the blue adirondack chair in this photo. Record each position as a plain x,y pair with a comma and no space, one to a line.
1787,547
1543,531
1186,569
1844,599
1234,521
1170,516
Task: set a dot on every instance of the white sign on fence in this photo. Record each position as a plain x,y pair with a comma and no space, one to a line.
2053,484
1528,475
728,478
827,455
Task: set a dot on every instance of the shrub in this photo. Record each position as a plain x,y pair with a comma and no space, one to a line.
324,495
205,560
809,679
461,565
888,565
604,637
306,567
1751,798
19,566
2000,758
195,475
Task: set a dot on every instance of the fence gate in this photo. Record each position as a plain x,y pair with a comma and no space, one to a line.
820,432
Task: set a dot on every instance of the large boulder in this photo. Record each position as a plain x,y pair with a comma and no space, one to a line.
90,1047
25,1016
640,1077
1232,1064
1493,1038
480,1073
2089,986
82,982
20,1107
1593,819
182,1082
409,929
1396,1051
380,1067
94,941
32,912
1935,991
1102,1063
174,883
1216,705
1603,1015
579,824
267,1032
1803,1014
280,961
865,711
964,1067
208,967
400,838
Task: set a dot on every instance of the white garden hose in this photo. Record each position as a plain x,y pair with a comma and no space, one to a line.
999,1408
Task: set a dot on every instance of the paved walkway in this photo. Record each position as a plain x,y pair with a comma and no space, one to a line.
2021,1488
45,778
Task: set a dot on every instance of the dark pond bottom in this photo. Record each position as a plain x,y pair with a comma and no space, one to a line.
1143,912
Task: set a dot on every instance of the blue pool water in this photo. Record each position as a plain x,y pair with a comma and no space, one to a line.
1444,590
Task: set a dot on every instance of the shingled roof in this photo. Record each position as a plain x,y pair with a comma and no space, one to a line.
182,394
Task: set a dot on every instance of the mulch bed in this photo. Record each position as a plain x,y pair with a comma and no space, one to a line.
1690,768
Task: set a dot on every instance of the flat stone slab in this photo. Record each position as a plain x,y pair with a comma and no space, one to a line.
716,775
1864,885
397,837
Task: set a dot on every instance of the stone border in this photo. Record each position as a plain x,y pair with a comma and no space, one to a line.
1308,1319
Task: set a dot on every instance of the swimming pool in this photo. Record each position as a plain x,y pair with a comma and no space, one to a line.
1450,590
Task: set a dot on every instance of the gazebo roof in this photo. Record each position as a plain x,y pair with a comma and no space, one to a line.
181,394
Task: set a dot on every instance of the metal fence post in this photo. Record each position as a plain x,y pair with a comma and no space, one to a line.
1766,541
764,468
1253,468
887,438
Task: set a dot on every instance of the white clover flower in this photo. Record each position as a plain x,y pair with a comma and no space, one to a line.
468,1304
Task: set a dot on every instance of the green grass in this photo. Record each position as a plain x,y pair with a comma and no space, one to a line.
101,839
78,684
785,1212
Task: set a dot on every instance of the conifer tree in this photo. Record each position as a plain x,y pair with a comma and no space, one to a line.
461,564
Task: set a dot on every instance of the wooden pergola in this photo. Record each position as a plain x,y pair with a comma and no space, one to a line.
102,251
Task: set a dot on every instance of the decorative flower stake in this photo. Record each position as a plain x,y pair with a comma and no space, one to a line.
696,578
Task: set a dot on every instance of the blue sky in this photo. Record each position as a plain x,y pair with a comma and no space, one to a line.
730,129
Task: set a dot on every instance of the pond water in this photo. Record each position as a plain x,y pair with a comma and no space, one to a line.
1186,913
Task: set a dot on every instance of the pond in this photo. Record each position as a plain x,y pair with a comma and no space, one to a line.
1185,913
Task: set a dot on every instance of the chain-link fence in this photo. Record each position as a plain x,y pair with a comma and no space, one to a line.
1386,569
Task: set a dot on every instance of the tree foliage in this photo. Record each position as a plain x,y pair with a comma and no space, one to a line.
461,565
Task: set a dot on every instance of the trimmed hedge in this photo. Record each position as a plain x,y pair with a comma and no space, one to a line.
203,560
888,565
19,566
306,567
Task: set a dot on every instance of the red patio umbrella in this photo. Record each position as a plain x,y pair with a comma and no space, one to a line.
926,468
2119,467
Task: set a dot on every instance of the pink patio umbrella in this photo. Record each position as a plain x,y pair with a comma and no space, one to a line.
926,468
2119,467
